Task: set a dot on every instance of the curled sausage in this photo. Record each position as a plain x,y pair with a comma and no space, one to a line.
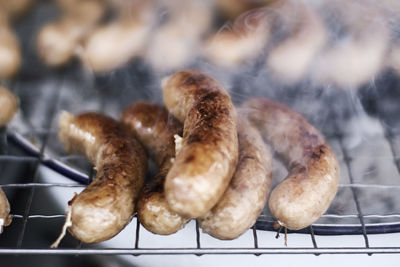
243,201
107,205
8,104
207,159
155,128
312,182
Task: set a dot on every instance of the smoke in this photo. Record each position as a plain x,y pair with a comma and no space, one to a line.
332,61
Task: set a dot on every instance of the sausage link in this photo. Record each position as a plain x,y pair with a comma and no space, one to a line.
155,129
247,193
367,52
9,106
312,182
242,42
205,164
59,41
107,205
15,9
113,45
10,50
176,43
5,217
292,58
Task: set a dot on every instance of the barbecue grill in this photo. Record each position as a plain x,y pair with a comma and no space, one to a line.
39,177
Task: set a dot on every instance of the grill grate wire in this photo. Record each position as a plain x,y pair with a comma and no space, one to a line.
137,250
360,215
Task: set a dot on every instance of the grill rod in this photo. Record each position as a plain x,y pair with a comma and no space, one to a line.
201,251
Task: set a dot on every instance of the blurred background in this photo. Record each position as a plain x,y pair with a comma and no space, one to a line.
336,62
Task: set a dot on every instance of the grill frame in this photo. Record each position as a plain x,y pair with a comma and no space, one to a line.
39,159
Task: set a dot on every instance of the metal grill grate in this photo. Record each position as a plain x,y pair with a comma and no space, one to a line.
39,177
23,162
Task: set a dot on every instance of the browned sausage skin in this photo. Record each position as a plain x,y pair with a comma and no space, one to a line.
5,217
243,201
242,42
155,128
312,182
205,164
107,205
8,104
60,40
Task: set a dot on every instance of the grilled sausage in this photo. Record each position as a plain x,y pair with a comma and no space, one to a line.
205,164
155,128
233,8
8,104
113,45
312,182
245,40
15,9
107,205
243,201
57,42
176,42
10,50
291,59
354,60
10,54
5,217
